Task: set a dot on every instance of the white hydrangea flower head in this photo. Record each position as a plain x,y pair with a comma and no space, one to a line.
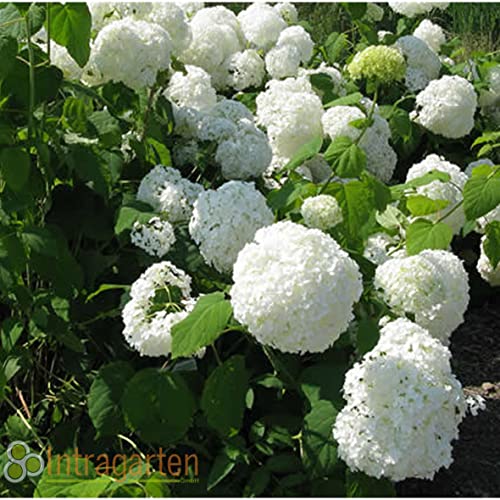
149,331
184,152
261,25
294,288
173,20
190,8
374,13
245,69
169,193
287,11
59,56
225,220
423,64
192,90
494,79
245,154
450,191
231,110
412,9
378,246
447,106
283,61
298,37
380,157
433,286
485,267
156,237
291,113
130,51
103,13
432,34
321,212
334,74
214,128
404,406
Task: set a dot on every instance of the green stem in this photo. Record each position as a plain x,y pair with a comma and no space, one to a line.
31,102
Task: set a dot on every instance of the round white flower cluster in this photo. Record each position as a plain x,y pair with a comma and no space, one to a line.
432,34
156,237
287,11
403,407
450,191
378,246
380,157
225,220
294,47
245,69
485,267
169,193
447,106
147,329
261,25
423,64
295,288
432,286
412,9
291,113
321,212
129,51
323,69
489,99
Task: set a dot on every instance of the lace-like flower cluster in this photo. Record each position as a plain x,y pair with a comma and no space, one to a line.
156,237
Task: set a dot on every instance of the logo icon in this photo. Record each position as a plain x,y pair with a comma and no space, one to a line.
22,463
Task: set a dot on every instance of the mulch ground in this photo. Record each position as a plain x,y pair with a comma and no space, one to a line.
475,471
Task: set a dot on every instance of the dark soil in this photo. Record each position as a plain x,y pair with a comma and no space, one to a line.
475,471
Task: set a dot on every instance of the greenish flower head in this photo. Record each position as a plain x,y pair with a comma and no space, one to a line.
378,62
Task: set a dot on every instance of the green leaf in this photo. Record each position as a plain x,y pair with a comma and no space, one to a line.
8,52
284,463
491,243
3,384
158,405
359,484
400,124
284,197
347,159
86,165
40,240
133,212
323,381
257,483
335,45
424,234
204,324
70,26
11,332
305,152
482,191
319,450
367,335
104,398
221,468
422,205
223,399
107,128
15,164
106,287
435,175
13,19
356,10
348,100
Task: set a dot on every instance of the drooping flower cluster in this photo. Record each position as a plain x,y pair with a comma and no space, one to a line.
169,193
403,407
225,220
423,64
159,299
321,212
447,106
432,286
294,288
450,191
380,157
155,237
485,267
378,62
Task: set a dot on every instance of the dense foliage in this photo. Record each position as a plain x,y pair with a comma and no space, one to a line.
219,237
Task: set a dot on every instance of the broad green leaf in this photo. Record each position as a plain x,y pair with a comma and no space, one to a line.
257,483
367,335
323,381
204,324
8,52
424,234
347,159
359,484
223,399
221,468
336,148
335,45
305,152
348,100
75,113
11,332
13,19
482,191
318,448
106,288
16,164
107,128
284,463
12,253
40,240
400,124
287,195
435,175
104,398
131,213
158,405
422,205
87,166
491,243
70,26
356,10
3,383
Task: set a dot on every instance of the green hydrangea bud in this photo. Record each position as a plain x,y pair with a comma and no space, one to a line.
378,62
